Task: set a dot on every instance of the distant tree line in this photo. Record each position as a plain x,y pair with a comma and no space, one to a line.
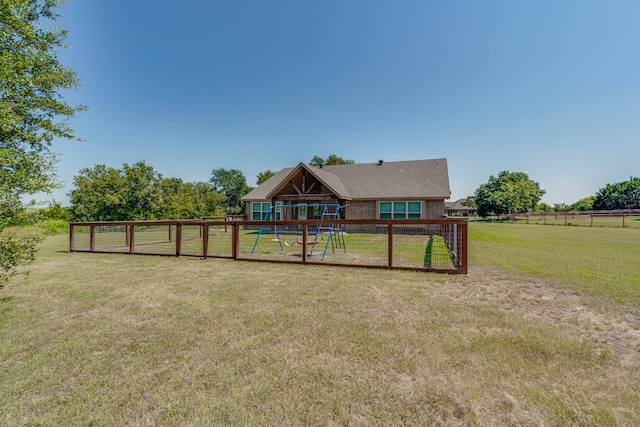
514,192
138,192
621,195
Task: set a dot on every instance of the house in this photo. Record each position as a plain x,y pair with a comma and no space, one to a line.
459,207
382,190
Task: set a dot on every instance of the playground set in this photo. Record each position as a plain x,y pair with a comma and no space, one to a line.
333,233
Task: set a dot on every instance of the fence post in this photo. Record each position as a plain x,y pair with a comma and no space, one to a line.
235,239
71,238
390,244
178,239
92,238
305,236
131,230
465,247
205,240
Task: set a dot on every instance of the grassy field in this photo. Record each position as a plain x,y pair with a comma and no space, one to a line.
545,330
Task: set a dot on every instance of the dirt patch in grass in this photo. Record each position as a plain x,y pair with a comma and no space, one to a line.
614,328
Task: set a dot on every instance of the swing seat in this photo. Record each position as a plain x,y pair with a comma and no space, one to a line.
301,243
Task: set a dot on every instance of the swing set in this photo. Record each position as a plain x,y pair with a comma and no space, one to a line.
334,233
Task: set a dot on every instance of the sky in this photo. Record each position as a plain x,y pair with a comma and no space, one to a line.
550,88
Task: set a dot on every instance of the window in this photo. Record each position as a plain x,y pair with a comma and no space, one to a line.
400,210
260,211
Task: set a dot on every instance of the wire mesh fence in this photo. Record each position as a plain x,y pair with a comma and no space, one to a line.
428,245
622,218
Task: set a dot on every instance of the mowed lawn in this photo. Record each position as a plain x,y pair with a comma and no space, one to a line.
545,330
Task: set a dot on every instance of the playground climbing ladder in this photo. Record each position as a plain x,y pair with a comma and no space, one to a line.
334,232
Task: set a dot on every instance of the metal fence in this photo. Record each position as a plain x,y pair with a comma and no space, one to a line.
622,218
424,245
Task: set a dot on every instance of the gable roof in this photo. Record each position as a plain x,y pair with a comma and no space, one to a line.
458,205
412,179
331,181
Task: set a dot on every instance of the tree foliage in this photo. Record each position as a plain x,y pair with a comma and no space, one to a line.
509,192
183,200
138,192
585,204
331,160
233,185
32,111
263,176
104,193
543,207
621,195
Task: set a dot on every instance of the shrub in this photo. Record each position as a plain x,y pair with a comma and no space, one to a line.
16,251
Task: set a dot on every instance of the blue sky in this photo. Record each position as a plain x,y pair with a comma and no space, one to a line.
549,88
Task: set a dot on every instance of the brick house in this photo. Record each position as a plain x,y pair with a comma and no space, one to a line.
459,207
384,190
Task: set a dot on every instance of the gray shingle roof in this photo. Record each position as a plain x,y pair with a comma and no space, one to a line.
458,205
419,179
260,192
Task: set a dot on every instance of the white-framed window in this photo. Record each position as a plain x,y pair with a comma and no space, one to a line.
260,211
400,210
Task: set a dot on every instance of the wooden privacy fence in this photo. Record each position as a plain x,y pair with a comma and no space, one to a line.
414,244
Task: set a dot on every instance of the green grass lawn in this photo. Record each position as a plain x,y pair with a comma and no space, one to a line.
602,262
543,331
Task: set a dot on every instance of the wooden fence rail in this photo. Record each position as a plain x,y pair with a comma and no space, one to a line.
423,245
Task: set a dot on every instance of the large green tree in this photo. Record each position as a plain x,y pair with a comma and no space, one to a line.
32,111
185,200
138,192
509,192
104,193
233,184
620,195
331,160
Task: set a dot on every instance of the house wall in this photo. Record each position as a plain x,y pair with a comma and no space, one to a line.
431,209
361,209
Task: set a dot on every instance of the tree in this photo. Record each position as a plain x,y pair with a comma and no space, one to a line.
263,176
543,207
190,200
32,112
233,185
331,160
509,192
104,193
621,195
585,204
138,192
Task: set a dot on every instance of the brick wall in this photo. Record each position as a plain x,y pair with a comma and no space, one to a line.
361,210
433,209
